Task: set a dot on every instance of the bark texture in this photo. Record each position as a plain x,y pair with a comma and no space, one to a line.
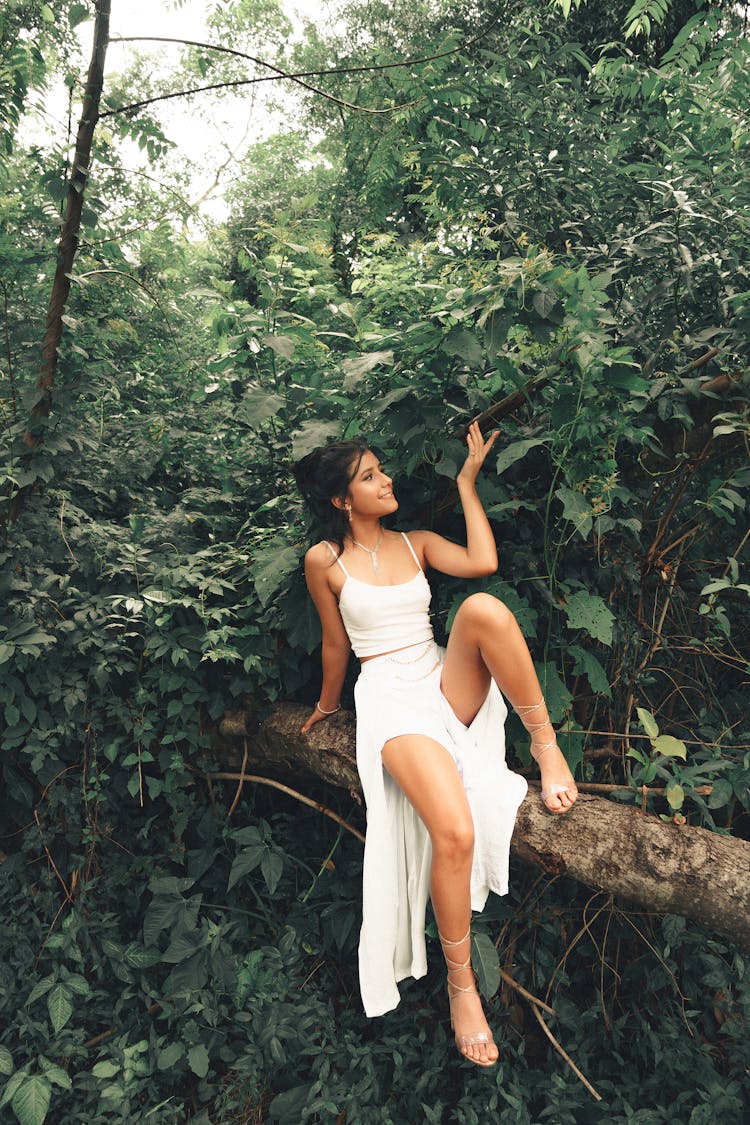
656,866
69,232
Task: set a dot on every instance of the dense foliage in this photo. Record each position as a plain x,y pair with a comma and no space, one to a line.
544,224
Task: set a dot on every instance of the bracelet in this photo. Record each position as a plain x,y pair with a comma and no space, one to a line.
319,708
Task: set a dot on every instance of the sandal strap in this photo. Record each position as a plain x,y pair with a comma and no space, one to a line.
445,941
524,710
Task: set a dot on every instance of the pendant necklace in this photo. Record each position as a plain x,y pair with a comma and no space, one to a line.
372,551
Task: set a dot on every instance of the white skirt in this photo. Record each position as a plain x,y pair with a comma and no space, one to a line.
400,694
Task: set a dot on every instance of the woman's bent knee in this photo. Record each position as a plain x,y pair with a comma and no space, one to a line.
485,610
454,842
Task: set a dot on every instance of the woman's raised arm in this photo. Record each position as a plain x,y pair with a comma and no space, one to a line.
479,556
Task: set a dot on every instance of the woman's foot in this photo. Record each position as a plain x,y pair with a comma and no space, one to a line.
559,790
473,1036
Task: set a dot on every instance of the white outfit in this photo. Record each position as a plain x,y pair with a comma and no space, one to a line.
400,694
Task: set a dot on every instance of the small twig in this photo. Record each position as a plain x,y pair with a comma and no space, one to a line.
228,776
51,861
97,1039
565,1055
646,737
525,993
240,783
62,532
140,775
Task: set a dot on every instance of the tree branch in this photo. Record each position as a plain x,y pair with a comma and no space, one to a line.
658,866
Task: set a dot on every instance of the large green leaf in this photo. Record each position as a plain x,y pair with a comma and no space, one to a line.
584,662
355,369
198,1060
311,434
486,964
258,405
31,1100
590,613
59,1006
515,451
462,343
577,510
247,860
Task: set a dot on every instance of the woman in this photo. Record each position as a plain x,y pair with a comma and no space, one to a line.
441,812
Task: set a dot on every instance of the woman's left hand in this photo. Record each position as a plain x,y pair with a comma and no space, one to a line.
478,450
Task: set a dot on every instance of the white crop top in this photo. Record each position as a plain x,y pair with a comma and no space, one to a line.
382,619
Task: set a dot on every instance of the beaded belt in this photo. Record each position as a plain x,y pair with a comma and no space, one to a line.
414,660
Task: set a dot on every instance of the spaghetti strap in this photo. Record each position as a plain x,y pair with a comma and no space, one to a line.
413,555
338,557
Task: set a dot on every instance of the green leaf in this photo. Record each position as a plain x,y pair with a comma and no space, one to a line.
670,747
59,1006
158,597
161,914
355,369
170,1055
55,1074
41,988
136,957
77,13
462,343
105,1069
591,613
247,837
648,722
544,302
198,1060
259,405
675,795
514,452
31,1100
721,793
6,1061
577,510
272,867
288,1106
271,567
486,964
247,860
312,434
181,947
281,345
585,663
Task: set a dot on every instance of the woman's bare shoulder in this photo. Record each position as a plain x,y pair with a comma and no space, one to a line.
318,557
419,538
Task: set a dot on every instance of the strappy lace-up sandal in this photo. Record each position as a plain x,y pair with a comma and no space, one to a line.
539,749
477,1038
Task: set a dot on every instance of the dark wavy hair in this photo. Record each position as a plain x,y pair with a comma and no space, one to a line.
325,474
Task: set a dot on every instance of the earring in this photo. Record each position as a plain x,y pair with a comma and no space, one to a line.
349,511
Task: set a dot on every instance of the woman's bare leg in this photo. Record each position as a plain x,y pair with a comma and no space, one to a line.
427,775
485,642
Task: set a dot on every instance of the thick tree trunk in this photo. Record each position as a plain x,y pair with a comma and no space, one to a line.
68,245
69,233
656,866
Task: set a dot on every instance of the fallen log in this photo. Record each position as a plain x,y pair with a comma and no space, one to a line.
650,864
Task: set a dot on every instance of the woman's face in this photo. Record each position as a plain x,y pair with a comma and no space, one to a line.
371,489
